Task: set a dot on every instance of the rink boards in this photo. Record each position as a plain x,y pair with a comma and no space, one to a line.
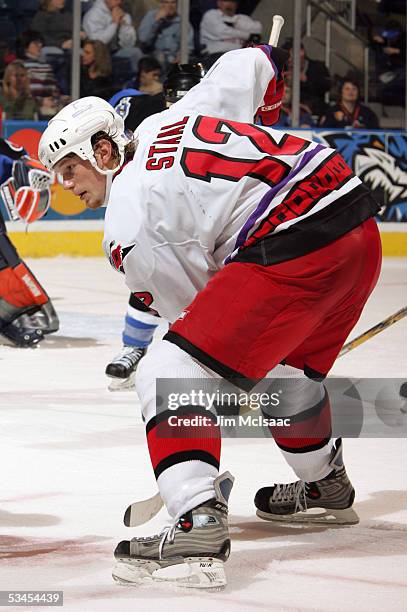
70,229
84,238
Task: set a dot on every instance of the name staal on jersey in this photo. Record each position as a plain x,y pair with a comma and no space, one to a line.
207,187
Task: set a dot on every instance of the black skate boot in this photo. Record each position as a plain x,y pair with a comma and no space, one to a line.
190,553
122,368
328,500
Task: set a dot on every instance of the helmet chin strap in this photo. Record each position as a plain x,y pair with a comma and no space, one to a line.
109,181
109,174
107,171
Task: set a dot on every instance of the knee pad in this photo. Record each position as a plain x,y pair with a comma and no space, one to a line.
297,393
306,403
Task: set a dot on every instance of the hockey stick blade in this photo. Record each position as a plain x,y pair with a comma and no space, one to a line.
142,511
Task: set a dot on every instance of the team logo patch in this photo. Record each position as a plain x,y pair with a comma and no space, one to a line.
118,255
122,108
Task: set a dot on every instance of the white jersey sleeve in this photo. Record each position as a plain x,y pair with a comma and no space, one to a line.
233,88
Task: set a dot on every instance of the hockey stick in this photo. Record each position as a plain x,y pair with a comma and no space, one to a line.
278,22
142,511
373,331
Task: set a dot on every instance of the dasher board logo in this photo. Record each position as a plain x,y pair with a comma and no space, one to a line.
380,160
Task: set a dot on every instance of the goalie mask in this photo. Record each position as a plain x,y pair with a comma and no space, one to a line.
26,194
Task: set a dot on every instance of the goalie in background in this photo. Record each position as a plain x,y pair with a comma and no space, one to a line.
26,311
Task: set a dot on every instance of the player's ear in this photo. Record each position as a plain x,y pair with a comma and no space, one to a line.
103,152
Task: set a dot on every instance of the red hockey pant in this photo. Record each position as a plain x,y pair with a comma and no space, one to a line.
249,317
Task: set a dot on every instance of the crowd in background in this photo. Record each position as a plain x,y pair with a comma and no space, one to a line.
115,54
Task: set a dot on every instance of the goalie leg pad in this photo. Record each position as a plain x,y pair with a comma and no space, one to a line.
19,292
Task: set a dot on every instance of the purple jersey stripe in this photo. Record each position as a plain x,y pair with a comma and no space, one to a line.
267,198
267,51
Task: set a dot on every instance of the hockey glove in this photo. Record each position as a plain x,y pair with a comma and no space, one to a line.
269,113
26,193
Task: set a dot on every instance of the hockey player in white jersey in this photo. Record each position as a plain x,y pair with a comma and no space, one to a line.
261,248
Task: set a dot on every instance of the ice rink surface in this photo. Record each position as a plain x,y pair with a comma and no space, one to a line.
73,456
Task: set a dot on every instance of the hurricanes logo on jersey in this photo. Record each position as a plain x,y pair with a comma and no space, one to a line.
118,254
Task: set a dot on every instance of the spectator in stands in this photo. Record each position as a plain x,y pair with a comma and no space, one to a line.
54,23
222,29
389,45
160,33
43,85
149,76
16,101
9,54
349,112
314,77
245,6
106,21
306,119
96,75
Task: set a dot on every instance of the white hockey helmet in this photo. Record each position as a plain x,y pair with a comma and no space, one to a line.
71,130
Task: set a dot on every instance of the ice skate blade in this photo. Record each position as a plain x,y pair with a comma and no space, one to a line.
314,515
194,572
122,384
